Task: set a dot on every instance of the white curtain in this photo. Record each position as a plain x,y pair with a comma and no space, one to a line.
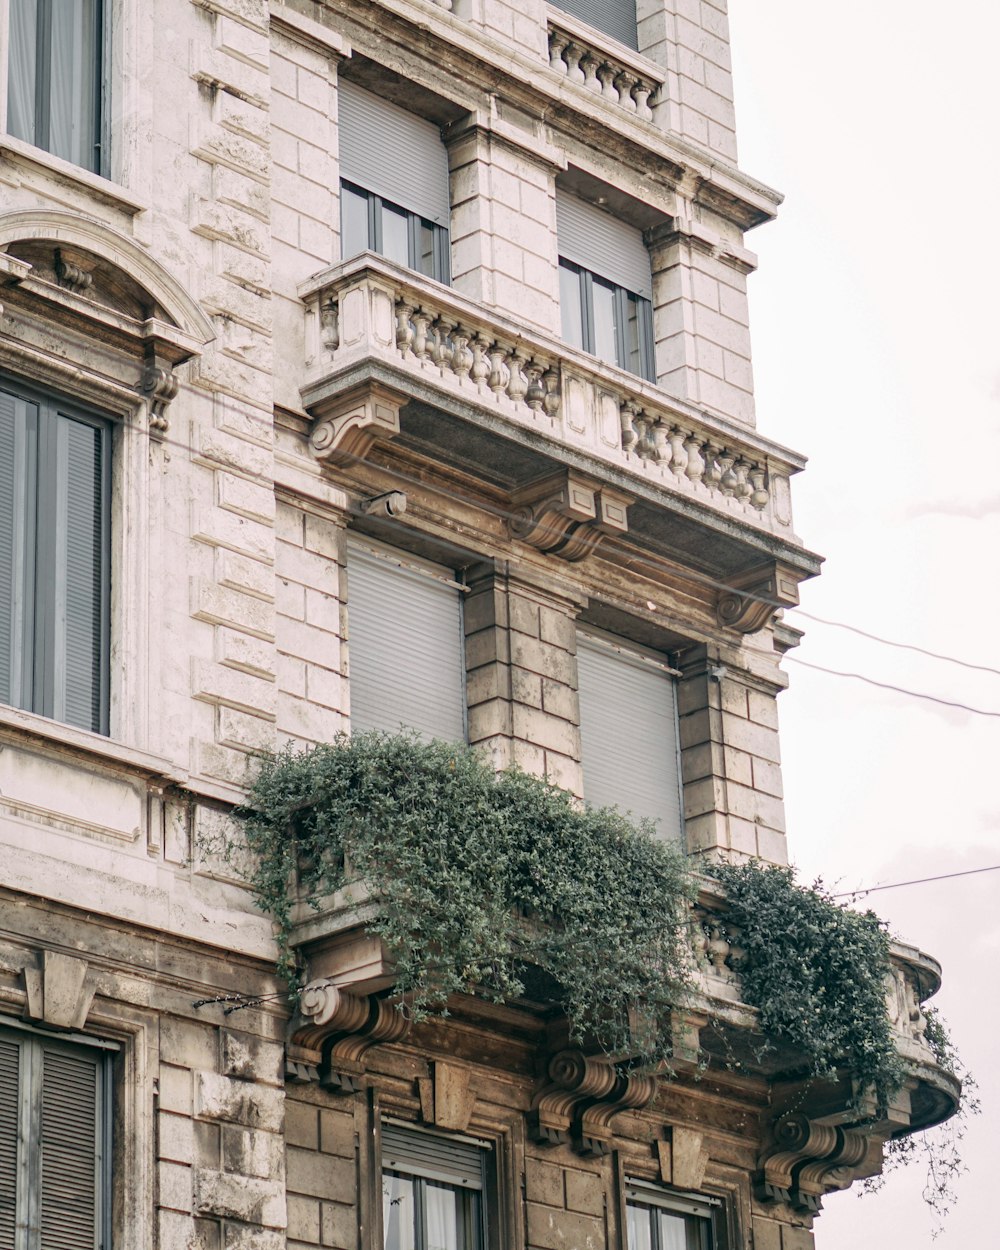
21,69
75,65
441,1209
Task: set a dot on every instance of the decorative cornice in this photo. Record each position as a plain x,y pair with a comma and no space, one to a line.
809,1160
753,597
354,1023
348,429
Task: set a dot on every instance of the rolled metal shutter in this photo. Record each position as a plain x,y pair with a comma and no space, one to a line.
10,1122
629,738
454,1161
614,250
71,1148
406,648
615,17
392,153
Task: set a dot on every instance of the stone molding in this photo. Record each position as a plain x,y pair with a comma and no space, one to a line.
567,515
582,1096
354,1023
809,1160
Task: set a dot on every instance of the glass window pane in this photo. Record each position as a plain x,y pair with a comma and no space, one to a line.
570,305
73,81
395,235
398,1212
441,1215
605,339
633,336
673,1231
354,223
639,1227
427,260
21,69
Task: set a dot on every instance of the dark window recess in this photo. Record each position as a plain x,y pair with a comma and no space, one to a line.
55,489
372,223
57,78
432,1191
608,321
55,1143
614,17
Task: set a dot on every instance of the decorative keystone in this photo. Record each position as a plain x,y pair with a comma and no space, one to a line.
350,425
753,597
58,993
567,515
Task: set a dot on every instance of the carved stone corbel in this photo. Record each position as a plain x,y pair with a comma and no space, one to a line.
158,386
584,1093
348,426
753,597
353,1022
808,1160
58,993
567,515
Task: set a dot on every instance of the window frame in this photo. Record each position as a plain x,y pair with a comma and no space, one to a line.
40,661
100,85
641,360
441,251
480,1199
33,1043
706,1209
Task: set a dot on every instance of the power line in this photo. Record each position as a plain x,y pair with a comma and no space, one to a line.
902,646
897,885
883,685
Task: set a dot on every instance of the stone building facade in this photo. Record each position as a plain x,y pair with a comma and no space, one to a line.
445,302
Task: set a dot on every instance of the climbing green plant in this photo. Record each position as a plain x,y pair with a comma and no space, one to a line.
481,879
816,972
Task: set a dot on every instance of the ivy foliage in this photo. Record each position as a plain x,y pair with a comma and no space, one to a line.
482,880
816,972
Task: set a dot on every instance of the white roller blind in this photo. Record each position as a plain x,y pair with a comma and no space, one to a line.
615,17
628,731
614,250
405,630
449,1159
391,152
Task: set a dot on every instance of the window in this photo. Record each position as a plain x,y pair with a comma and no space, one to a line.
55,486
394,183
406,644
659,1220
604,286
56,78
614,17
628,731
55,1142
432,1190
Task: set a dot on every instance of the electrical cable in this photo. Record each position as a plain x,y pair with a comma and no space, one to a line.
897,885
884,685
902,646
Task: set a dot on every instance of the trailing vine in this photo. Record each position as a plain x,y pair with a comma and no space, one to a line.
816,972
482,880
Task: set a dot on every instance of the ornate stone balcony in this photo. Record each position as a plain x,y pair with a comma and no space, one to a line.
391,354
620,76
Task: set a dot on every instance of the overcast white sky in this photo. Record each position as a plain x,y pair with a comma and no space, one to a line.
875,330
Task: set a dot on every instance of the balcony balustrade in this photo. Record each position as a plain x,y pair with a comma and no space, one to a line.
599,64
369,320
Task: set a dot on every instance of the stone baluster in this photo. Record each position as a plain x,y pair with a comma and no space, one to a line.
517,382
557,45
678,456
480,366
404,329
661,441
713,473
695,461
499,373
572,56
461,357
625,82
606,74
535,394
630,438
743,488
552,400
760,496
728,480
717,949
441,355
641,93
329,324
590,65
421,344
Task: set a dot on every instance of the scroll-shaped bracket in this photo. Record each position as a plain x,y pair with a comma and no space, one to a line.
58,993
333,1030
567,515
752,598
583,1094
351,424
158,386
808,1160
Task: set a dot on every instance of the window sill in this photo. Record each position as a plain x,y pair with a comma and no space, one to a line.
20,725
16,151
